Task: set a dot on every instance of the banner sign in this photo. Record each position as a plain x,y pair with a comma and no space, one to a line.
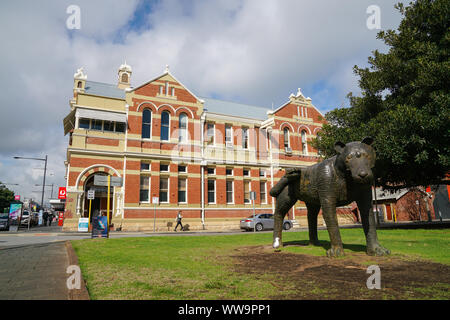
62,193
15,212
17,197
83,225
103,181
99,227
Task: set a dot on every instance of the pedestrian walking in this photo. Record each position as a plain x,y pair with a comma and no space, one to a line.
45,216
178,219
50,218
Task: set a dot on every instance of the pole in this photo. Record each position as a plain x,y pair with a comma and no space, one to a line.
154,217
89,221
107,205
43,184
254,217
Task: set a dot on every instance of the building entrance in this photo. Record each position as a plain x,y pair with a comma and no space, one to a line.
99,204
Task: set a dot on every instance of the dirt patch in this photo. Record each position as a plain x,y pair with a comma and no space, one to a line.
300,276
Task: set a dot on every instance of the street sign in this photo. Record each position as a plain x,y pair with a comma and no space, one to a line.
103,181
83,225
62,193
155,200
252,195
91,194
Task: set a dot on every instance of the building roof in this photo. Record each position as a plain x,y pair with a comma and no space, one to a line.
104,90
235,109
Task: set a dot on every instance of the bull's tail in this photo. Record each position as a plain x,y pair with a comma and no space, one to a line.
276,190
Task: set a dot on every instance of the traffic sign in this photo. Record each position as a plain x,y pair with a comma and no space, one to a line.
91,194
62,193
155,200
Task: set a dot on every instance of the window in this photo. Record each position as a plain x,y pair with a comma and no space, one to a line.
145,166
182,136
96,124
173,91
165,119
229,190
211,191
262,190
286,137
108,126
246,191
304,145
210,133
163,167
79,84
182,190
182,169
245,138
211,171
228,136
246,173
167,88
161,88
146,123
120,127
84,123
144,189
164,189
124,77
262,173
229,171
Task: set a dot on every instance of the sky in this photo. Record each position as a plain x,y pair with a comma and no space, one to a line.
255,52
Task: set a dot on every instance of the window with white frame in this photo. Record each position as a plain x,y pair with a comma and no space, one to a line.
304,143
246,191
211,191
229,191
165,123
245,138
146,124
228,136
144,189
164,189
183,133
210,133
286,137
182,190
263,193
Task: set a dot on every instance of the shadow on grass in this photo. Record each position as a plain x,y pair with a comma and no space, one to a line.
326,244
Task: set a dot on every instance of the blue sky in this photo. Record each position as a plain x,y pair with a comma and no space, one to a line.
255,52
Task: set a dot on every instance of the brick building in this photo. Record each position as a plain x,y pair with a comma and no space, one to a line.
199,155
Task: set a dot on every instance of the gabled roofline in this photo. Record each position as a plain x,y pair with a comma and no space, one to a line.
167,72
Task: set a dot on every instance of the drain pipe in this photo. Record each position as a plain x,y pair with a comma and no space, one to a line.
202,164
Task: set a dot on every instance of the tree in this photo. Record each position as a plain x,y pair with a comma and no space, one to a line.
405,101
6,196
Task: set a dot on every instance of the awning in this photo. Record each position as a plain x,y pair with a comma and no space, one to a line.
69,120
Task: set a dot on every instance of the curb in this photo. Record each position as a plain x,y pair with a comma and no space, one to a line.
76,294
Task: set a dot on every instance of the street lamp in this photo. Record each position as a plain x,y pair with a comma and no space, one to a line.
45,171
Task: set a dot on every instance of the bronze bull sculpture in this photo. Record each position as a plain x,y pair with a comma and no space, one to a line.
332,183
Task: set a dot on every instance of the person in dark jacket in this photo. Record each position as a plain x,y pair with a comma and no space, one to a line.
50,218
179,217
45,216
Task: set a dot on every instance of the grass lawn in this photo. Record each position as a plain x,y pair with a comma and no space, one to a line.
205,267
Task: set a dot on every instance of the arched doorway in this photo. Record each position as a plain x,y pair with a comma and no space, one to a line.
100,203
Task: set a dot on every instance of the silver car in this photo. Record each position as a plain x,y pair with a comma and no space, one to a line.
262,221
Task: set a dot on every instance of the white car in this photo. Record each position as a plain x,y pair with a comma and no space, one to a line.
263,221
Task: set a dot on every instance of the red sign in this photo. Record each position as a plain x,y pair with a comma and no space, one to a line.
428,189
17,198
60,218
62,193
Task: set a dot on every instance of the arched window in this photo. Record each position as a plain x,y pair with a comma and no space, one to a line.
165,120
79,84
286,137
304,144
146,123
182,136
124,77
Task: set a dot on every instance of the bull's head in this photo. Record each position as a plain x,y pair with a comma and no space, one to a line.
356,158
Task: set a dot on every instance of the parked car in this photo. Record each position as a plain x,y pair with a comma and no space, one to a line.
4,221
24,218
263,221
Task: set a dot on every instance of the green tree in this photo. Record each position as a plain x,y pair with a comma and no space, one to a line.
6,196
405,101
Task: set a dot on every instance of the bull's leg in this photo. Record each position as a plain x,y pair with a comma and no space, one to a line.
330,217
364,203
313,212
284,202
